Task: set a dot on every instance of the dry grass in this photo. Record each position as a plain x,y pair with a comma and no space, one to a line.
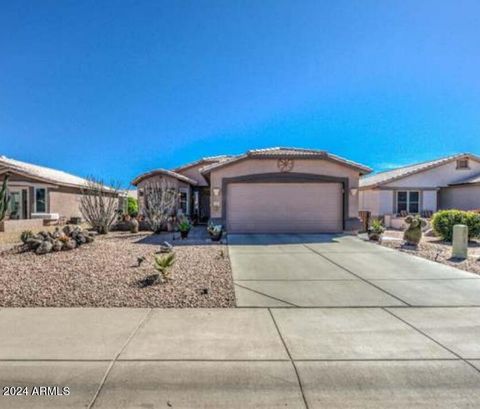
105,274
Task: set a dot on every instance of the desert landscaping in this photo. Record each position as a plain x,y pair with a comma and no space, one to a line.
106,273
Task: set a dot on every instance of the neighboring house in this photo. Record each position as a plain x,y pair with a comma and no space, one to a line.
39,194
276,190
450,182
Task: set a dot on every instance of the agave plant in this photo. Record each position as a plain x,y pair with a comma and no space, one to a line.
163,263
4,199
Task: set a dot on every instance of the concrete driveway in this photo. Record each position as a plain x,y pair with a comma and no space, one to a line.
341,271
326,322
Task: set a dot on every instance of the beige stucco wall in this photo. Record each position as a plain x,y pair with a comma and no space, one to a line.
194,173
177,184
465,197
65,202
378,202
438,177
258,166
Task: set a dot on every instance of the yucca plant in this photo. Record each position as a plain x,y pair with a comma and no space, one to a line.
163,263
4,199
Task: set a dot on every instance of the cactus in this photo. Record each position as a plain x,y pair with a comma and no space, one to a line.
163,264
4,199
413,233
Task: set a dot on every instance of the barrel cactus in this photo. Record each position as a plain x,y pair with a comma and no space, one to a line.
413,234
4,199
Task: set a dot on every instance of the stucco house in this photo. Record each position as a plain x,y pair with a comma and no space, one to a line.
39,195
452,182
275,190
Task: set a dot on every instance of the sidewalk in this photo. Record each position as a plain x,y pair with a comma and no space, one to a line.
243,358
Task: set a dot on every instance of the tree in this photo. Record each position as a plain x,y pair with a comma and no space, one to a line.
160,200
132,206
99,204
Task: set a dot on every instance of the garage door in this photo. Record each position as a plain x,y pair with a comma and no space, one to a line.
284,207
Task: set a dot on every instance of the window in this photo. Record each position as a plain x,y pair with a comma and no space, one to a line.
408,201
183,201
462,164
40,200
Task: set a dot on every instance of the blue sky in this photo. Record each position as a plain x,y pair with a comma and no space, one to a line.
116,88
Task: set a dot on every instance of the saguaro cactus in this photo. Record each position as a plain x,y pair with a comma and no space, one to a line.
4,199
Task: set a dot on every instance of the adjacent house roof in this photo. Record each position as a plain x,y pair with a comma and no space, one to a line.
282,152
469,181
206,160
163,172
382,178
41,173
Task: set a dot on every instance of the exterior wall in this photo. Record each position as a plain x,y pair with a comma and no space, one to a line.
65,201
194,173
259,166
438,177
463,197
177,184
369,200
429,200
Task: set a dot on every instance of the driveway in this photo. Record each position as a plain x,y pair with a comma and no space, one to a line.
325,322
341,271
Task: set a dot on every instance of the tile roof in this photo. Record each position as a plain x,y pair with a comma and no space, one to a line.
164,172
388,176
281,152
207,159
45,174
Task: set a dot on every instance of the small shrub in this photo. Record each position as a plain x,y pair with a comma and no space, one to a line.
132,206
26,234
444,220
163,263
413,234
376,229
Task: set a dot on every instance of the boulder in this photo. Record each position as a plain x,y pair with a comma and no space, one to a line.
33,243
57,245
67,230
69,245
44,248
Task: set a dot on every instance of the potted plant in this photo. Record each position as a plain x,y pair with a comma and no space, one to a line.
375,230
184,227
215,231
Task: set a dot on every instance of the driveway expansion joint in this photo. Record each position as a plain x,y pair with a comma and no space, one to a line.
265,295
465,360
356,275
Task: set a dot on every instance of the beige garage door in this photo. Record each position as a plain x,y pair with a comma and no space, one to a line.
284,207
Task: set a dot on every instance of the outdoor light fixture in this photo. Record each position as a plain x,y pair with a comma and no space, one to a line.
216,191
216,204
353,191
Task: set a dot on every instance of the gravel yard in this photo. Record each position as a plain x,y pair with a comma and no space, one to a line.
105,274
432,248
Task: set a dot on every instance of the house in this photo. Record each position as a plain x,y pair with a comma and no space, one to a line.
445,183
39,195
275,190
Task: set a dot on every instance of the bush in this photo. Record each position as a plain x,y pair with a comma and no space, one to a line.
444,220
132,206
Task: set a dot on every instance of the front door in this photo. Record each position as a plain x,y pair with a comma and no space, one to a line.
204,205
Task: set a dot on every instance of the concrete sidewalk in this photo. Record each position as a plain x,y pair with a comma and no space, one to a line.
243,358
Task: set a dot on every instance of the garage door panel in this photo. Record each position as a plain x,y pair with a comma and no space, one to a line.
284,207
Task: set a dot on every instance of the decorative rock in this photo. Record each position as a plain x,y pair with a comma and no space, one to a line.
57,245
44,248
69,245
33,243
460,241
